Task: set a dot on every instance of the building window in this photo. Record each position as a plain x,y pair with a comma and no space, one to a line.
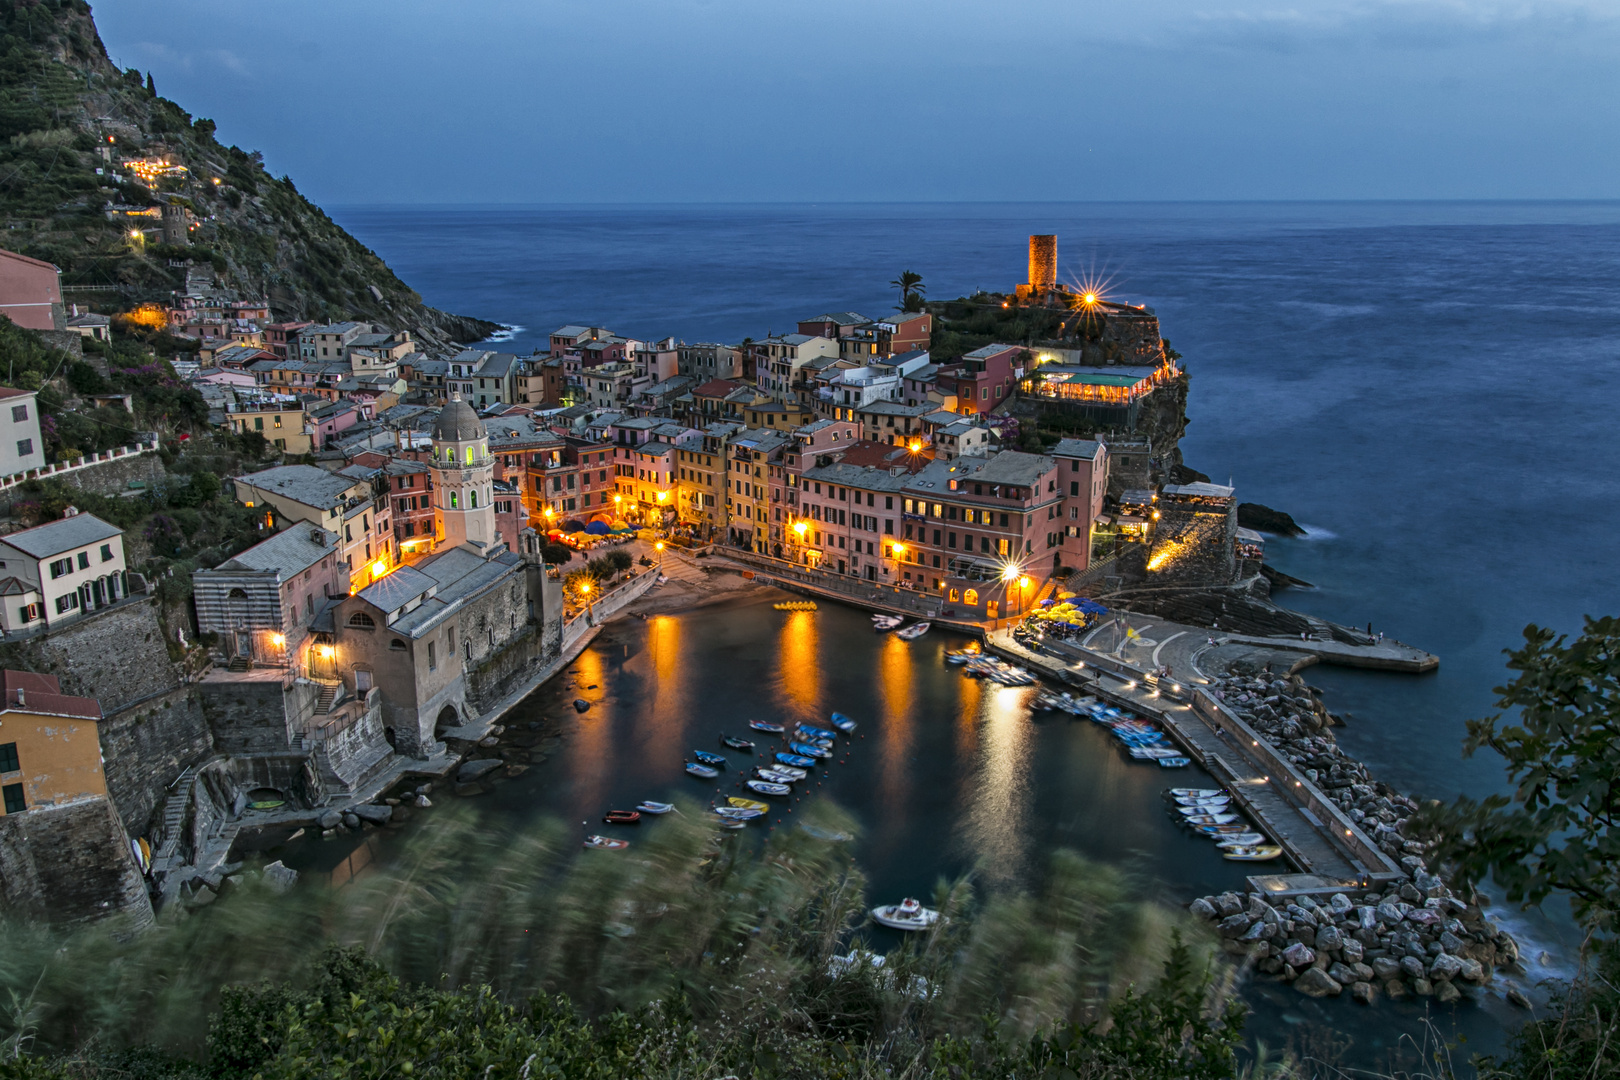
106,553
433,663
60,567
361,621
25,447
15,803
8,758
399,646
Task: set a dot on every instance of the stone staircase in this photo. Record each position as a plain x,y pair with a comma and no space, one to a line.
175,807
328,694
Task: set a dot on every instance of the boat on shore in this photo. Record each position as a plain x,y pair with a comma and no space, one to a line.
602,843
818,732
768,787
1263,853
703,771
814,750
843,723
886,622
1214,819
1237,840
766,725
789,772
738,813
908,914
913,632
1195,792
747,804
650,807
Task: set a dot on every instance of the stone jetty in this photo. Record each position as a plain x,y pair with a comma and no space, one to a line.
1411,937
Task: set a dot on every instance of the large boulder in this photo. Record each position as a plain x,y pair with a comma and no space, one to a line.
1317,983
1353,951
1234,926
1386,968
1342,973
330,819
1329,939
1362,992
1445,993
1473,971
1299,955
1412,967
476,770
376,815
1202,908
1445,967
279,878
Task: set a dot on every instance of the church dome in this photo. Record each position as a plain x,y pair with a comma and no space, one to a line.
457,423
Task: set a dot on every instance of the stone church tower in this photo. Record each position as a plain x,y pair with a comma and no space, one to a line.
463,479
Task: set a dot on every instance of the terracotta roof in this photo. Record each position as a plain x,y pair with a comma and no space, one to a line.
27,692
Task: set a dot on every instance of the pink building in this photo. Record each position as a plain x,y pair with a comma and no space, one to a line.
984,378
31,292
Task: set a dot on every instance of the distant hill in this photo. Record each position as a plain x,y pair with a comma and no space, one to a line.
66,111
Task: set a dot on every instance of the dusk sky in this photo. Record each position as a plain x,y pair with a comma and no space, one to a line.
540,101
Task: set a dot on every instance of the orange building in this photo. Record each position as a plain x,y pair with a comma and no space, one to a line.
50,744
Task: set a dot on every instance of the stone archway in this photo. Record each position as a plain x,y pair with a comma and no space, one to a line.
448,718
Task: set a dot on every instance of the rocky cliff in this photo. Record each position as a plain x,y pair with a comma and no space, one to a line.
119,187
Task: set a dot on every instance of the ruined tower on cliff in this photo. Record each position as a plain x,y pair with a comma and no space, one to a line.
1042,262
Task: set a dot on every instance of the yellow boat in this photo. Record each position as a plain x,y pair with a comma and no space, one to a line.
1259,853
795,605
746,804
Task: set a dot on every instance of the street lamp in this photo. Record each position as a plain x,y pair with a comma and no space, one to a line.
659,547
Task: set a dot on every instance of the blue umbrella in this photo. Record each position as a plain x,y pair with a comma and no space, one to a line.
1091,607
598,528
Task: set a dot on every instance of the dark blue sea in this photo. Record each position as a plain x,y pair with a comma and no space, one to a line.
1430,388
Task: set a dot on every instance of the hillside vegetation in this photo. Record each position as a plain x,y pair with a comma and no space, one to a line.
66,111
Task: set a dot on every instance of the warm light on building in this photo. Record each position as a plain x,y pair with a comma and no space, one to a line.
278,640
379,568
327,652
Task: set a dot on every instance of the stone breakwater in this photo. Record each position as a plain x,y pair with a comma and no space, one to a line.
1415,937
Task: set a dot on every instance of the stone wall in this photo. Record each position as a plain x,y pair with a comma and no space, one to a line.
115,655
70,864
112,477
501,670
248,716
147,745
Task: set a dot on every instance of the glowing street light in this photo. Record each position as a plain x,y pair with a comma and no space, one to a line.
801,527
1090,298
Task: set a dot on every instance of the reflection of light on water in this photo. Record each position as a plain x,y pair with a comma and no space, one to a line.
590,758
800,673
997,827
661,723
894,684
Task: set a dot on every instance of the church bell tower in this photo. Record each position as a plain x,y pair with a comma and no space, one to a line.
463,478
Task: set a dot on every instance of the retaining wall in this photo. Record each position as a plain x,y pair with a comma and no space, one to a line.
70,864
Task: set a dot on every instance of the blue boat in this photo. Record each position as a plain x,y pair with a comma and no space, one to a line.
843,723
798,761
717,760
809,750
817,732
701,770
766,725
1174,762
814,740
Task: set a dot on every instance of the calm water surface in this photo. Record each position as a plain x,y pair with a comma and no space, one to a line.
1430,387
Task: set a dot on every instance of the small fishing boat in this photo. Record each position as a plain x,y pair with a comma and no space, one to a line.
962,656
843,723
1174,762
602,843
738,813
650,807
814,750
787,772
1195,792
1244,839
805,737
798,761
622,817
736,744
1148,753
908,914
766,787
1262,853
1198,811
913,632
1214,819
1203,800
716,760
1222,831
704,771
747,804
886,622
819,732
765,725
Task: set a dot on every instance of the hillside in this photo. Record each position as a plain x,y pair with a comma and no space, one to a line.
66,112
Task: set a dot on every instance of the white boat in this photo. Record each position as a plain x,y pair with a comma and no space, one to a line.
765,787
1215,819
787,771
1261,853
1198,811
775,777
886,622
913,632
739,813
1195,792
1185,803
1243,839
908,914
602,843
1145,753
650,807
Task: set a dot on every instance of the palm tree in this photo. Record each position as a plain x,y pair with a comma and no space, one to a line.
910,284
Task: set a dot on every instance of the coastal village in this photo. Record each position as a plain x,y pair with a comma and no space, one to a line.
416,512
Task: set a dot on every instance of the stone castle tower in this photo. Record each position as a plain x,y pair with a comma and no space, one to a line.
1042,262
463,478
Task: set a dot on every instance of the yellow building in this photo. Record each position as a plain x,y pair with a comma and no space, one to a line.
50,744
280,422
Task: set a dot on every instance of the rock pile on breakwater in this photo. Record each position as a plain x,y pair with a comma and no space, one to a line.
1414,937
